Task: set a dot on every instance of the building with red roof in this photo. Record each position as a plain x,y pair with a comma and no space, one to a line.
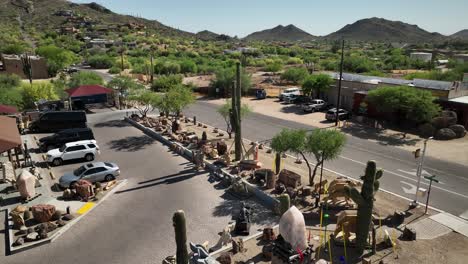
90,94
8,110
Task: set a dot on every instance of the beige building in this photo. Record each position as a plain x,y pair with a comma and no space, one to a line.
12,64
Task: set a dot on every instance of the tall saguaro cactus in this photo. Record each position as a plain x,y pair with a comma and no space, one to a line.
178,220
27,67
365,201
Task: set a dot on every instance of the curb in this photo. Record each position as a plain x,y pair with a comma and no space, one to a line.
266,199
13,250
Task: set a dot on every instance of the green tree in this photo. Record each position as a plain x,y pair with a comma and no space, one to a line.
124,85
144,100
85,78
324,144
165,82
295,75
37,91
225,78
57,58
10,90
178,97
101,61
225,111
275,66
188,66
405,103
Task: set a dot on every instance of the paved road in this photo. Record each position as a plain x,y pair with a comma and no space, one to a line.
134,225
400,166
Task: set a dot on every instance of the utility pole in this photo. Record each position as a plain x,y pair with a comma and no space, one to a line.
414,204
237,114
339,83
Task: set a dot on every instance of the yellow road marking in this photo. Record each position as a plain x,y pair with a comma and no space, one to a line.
85,208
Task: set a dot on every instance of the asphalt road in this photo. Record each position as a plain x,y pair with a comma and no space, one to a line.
134,225
450,195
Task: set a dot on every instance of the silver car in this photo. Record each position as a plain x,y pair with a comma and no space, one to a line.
93,172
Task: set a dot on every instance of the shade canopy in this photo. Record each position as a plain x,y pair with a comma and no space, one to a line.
8,109
9,134
88,90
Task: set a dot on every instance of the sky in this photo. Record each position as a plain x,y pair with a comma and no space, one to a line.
242,17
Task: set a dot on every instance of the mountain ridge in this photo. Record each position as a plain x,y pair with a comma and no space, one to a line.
281,33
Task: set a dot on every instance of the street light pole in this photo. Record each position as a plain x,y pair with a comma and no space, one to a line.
339,84
419,172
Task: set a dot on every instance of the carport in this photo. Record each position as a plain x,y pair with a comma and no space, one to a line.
10,138
8,110
89,94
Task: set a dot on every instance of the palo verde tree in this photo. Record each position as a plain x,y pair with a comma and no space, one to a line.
144,101
85,78
225,77
225,112
405,103
124,85
316,84
176,99
324,144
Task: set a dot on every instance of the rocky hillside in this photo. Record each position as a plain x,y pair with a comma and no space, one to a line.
211,36
463,35
288,33
43,15
379,29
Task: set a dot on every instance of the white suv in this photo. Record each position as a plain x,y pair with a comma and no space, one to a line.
84,149
288,92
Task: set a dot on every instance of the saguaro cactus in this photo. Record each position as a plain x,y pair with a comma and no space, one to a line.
178,220
285,203
365,202
27,67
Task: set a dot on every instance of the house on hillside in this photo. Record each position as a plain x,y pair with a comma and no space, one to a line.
461,58
100,43
13,64
64,13
422,56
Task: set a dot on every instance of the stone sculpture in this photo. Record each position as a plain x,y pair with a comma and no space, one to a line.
43,212
292,228
26,184
243,220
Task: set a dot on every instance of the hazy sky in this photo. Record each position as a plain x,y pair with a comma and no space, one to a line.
242,17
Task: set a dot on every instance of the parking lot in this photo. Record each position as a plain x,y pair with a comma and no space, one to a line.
135,224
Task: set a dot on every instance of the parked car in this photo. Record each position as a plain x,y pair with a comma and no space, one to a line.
58,120
93,172
289,91
314,105
302,99
260,94
289,98
65,136
342,114
84,149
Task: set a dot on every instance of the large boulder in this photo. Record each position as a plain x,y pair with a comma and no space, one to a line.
426,130
445,134
26,183
84,189
445,120
43,212
459,130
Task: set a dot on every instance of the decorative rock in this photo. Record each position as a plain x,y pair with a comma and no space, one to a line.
43,212
19,241
32,237
289,178
221,134
56,216
225,258
60,223
46,227
26,183
67,194
42,234
366,261
23,228
221,147
268,234
237,246
84,189
459,130
426,130
215,130
27,215
409,234
261,146
17,219
292,228
21,232
267,251
445,134
68,217
307,191
30,230
269,151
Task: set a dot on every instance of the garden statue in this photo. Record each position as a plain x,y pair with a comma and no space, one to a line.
243,220
365,201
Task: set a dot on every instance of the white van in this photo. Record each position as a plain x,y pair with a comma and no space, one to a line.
289,91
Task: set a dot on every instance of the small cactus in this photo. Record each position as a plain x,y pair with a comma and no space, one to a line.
178,220
284,204
365,201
